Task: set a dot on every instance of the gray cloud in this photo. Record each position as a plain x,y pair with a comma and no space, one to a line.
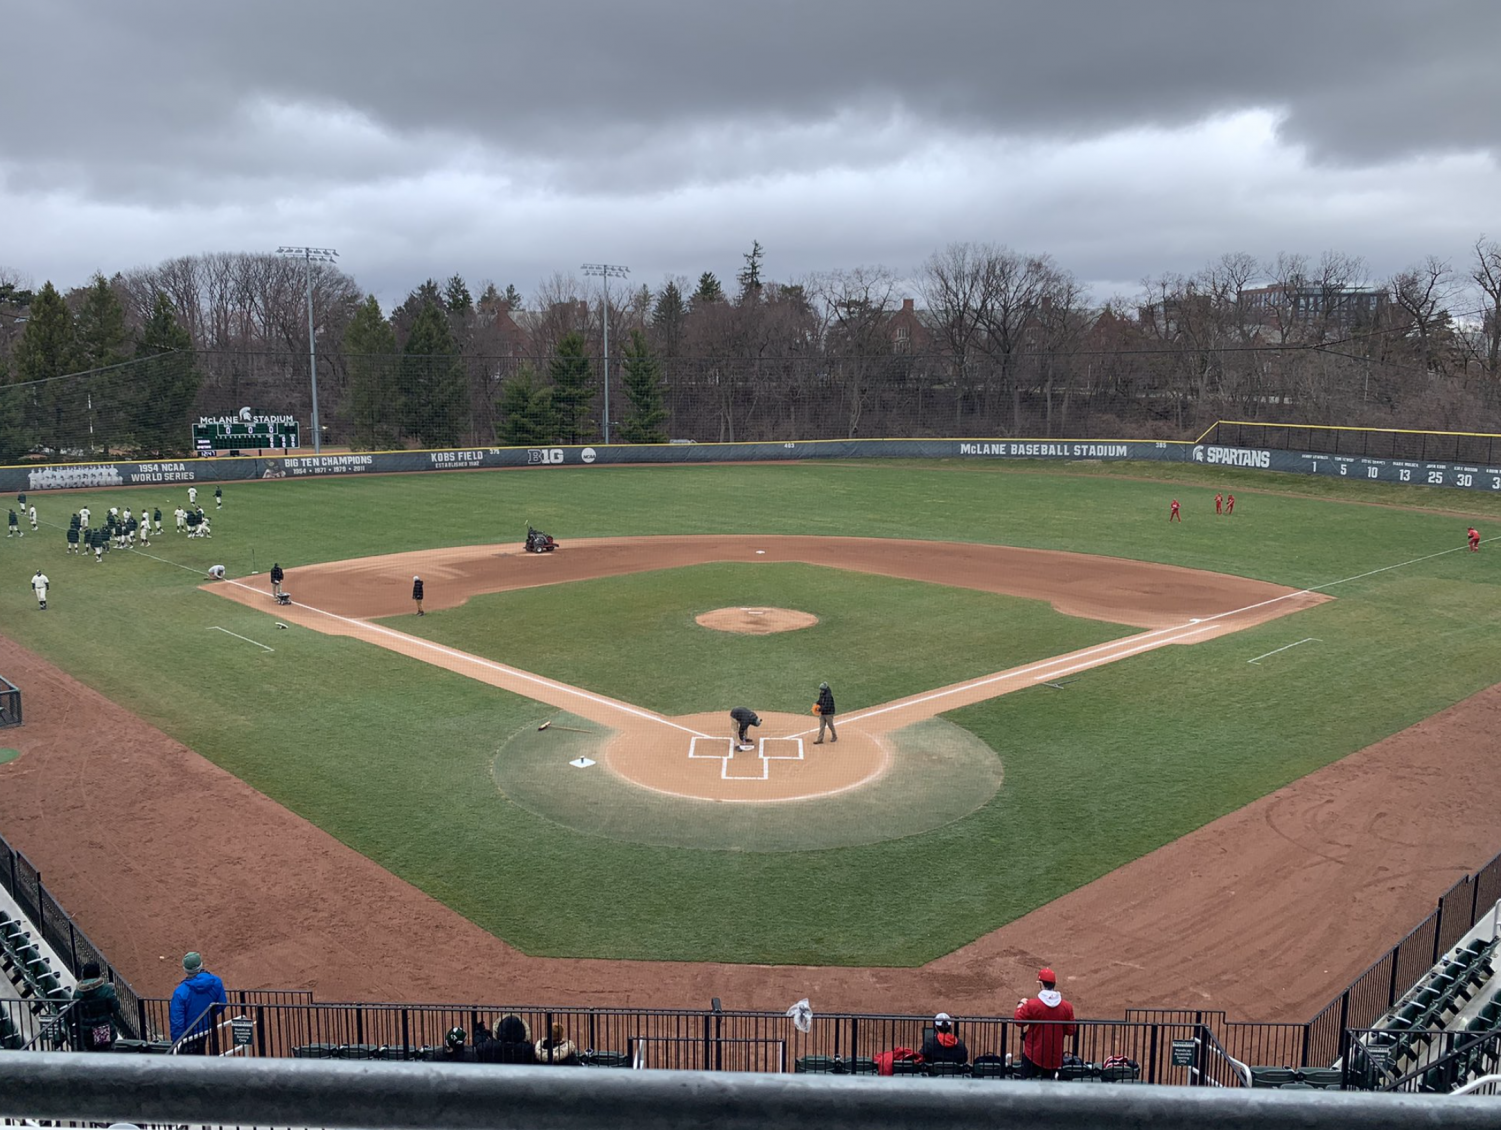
838,132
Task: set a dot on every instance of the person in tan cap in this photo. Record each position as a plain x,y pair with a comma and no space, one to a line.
1042,1043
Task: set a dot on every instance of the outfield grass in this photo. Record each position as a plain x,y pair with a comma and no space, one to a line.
392,756
878,638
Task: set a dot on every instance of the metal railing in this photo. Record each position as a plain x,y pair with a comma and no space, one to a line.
1374,443
167,1090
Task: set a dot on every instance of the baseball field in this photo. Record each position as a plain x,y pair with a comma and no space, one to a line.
1044,688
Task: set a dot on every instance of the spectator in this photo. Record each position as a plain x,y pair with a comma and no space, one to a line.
1042,1044
196,1004
417,593
557,1049
943,1044
94,1012
456,1051
512,1042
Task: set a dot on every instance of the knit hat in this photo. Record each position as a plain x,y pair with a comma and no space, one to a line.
192,962
823,686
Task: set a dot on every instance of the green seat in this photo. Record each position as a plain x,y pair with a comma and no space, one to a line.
1296,1086
315,1051
1126,1074
1074,1072
1329,1078
357,1051
609,1059
864,1065
947,1070
990,1067
818,1065
906,1067
1272,1076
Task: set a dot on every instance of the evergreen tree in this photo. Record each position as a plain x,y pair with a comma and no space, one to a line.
709,289
432,381
374,390
163,385
48,349
749,277
456,298
514,301
100,326
643,387
668,314
490,296
527,417
572,389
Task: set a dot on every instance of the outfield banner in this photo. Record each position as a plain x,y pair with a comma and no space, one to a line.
67,476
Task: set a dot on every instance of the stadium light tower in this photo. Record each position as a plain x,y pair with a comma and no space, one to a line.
310,255
606,271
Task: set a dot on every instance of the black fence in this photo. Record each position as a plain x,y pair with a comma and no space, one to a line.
1376,990
23,882
1375,443
10,703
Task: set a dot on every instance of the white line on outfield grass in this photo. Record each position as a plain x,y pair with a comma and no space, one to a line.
466,657
1279,650
247,639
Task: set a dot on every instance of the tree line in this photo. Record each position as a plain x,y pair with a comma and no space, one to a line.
979,339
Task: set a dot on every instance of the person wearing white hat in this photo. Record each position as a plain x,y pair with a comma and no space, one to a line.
417,593
942,1044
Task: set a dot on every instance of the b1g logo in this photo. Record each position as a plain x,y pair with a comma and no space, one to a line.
544,455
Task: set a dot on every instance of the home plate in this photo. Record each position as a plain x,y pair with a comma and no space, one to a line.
581,762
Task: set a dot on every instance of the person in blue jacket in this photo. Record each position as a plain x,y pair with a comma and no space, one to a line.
191,1005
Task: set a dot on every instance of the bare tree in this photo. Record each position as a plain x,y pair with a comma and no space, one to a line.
858,308
1420,297
953,286
1486,271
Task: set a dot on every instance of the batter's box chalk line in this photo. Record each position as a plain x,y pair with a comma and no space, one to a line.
727,758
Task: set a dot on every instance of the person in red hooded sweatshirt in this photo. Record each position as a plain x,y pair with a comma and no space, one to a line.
1042,1044
943,1044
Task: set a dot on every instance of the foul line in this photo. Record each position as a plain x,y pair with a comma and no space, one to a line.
247,639
466,657
1259,658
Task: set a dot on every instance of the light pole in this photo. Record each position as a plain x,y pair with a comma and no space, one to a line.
308,255
606,271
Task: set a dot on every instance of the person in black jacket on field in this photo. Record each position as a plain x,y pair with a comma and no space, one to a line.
277,576
825,713
417,593
744,718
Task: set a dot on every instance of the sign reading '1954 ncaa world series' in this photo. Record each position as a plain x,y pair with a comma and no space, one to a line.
65,476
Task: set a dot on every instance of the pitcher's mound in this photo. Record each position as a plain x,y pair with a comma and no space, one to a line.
756,621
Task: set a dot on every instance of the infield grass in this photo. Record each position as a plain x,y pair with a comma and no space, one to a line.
392,756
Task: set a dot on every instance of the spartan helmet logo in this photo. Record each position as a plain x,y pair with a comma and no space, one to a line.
1199,454
246,415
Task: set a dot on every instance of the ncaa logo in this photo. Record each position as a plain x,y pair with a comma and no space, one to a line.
588,455
1199,454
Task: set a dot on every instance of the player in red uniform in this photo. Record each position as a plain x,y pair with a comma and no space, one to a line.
1474,536
1219,504
1230,505
1173,515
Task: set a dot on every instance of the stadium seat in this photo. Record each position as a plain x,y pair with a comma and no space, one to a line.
864,1065
1126,1074
1076,1072
358,1051
990,1067
1272,1076
594,1058
1297,1086
906,1067
1329,1078
315,1051
818,1065
947,1070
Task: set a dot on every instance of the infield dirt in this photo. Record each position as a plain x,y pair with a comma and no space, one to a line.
1263,913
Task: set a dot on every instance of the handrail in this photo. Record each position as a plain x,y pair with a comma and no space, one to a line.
437,1096
1476,1084
1213,1045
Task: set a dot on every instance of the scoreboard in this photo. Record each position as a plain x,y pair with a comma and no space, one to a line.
247,429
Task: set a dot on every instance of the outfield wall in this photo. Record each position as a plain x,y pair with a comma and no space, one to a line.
75,475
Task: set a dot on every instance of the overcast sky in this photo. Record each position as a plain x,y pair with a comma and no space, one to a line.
511,141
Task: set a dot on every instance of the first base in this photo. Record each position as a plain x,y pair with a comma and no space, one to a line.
581,762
